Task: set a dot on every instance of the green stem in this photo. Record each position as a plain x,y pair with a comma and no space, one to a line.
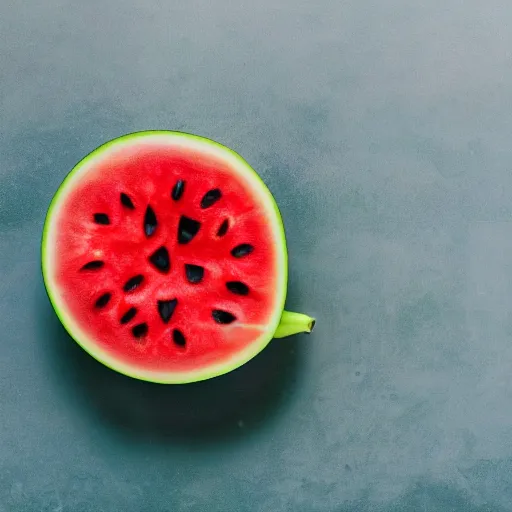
293,323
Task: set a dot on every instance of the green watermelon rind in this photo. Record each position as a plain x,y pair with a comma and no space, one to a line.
110,361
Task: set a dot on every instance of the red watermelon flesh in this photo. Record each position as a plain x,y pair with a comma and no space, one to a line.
167,258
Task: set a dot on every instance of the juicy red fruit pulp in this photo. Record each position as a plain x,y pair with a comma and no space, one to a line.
165,259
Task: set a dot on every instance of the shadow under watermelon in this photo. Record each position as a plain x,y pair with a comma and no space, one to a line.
229,406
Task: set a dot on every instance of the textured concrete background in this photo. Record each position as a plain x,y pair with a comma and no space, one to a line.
384,130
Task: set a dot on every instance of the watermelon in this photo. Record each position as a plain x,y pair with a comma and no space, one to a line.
164,257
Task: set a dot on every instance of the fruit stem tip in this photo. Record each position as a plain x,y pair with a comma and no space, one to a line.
294,323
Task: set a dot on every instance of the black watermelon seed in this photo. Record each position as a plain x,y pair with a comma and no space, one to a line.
101,218
223,317
126,201
166,309
103,300
129,315
187,229
178,338
242,250
160,259
223,228
194,273
178,190
133,283
93,265
150,221
210,198
140,330
237,287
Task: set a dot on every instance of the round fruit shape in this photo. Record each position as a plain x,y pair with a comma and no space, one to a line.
164,256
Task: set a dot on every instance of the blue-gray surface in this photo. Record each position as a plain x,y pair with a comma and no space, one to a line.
384,130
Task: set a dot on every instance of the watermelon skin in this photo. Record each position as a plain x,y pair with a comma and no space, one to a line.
69,243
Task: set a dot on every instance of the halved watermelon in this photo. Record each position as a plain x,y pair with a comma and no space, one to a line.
164,257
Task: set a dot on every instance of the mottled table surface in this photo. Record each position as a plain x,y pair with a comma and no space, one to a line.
384,130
